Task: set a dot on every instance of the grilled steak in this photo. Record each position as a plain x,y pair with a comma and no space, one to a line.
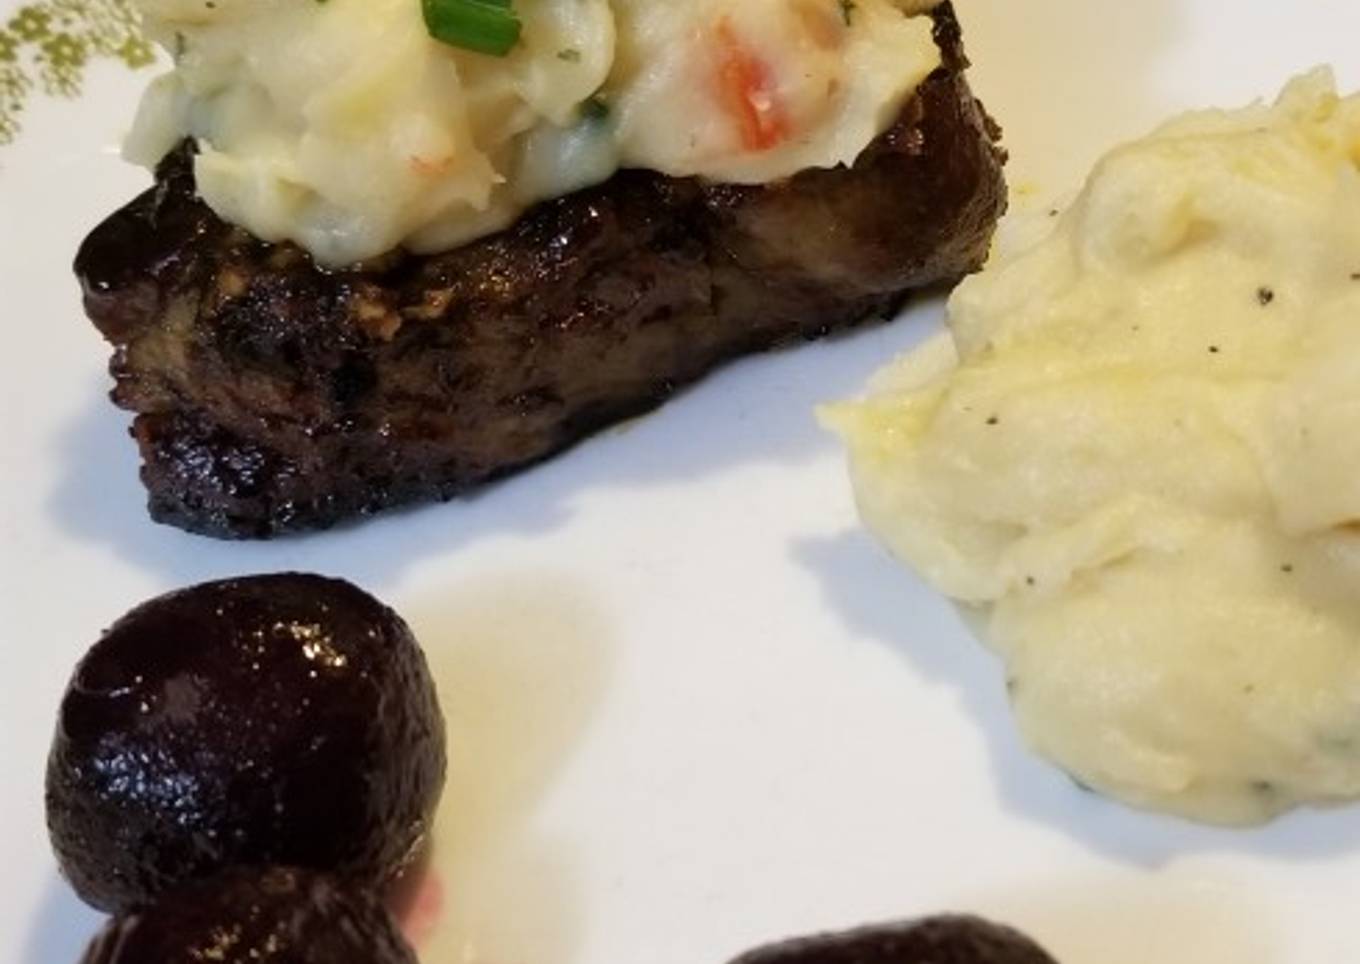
273,395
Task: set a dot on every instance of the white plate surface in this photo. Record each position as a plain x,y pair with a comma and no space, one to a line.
692,707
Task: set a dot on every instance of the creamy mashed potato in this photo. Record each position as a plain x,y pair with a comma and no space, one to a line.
343,126
1140,454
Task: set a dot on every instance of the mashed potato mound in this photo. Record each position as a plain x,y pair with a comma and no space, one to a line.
1140,452
345,127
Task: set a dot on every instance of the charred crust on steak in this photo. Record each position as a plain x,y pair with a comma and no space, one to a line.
272,395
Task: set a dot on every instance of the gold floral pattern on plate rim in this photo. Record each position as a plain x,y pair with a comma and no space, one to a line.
46,46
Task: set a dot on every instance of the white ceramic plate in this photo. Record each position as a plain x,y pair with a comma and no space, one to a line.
692,707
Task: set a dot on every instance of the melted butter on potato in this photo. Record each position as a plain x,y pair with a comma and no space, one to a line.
1140,454
344,127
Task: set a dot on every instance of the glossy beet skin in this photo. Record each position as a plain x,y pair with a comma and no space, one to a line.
278,916
933,940
286,719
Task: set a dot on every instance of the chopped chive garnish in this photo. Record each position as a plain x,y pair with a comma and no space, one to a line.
485,26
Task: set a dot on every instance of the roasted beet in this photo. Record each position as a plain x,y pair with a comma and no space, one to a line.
934,940
276,916
286,719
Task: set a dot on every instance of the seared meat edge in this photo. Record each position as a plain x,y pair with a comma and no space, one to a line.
272,395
